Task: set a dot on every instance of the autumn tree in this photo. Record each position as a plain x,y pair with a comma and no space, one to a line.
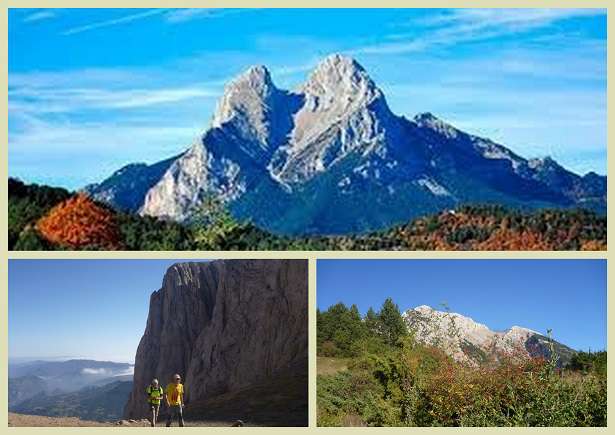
80,223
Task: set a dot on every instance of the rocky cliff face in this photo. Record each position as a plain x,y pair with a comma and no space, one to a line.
474,343
223,325
332,158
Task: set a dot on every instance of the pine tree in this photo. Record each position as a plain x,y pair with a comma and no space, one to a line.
392,324
372,321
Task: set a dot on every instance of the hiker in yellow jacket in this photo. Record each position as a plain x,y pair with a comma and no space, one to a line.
175,400
154,397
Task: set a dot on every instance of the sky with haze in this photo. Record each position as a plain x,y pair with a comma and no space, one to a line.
91,90
93,309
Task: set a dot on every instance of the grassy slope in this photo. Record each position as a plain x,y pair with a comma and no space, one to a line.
330,366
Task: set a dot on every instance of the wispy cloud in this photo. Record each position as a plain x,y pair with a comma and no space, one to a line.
77,77
78,99
114,22
518,18
107,372
98,372
110,91
34,135
469,25
39,15
103,118
188,14
176,15
128,371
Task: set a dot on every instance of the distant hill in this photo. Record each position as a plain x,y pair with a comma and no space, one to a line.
103,403
24,388
39,379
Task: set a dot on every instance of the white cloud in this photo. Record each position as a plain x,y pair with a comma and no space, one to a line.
177,15
108,372
468,25
114,22
187,14
44,148
48,100
34,135
113,89
128,371
78,77
43,14
514,18
181,15
99,372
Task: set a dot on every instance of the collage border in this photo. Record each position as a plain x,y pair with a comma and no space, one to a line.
312,256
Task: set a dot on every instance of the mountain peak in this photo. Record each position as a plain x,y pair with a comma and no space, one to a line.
423,308
341,76
542,163
256,76
255,79
456,333
521,329
426,117
429,120
247,96
340,62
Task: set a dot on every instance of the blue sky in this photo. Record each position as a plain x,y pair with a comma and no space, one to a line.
93,89
567,296
80,308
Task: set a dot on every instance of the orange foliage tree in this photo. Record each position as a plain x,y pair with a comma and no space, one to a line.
79,222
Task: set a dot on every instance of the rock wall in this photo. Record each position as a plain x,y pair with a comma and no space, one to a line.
223,325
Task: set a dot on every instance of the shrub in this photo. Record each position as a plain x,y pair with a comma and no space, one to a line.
415,385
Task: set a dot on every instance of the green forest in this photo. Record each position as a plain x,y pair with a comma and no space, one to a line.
48,218
372,372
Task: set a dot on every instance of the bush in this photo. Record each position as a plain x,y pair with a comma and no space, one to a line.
410,384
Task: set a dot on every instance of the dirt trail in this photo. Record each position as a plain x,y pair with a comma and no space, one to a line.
22,420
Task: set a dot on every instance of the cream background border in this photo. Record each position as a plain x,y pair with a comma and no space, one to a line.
311,255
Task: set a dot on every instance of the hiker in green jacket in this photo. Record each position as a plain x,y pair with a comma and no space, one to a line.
154,397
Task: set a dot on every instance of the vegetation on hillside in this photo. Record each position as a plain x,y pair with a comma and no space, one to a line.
42,218
27,203
389,379
100,403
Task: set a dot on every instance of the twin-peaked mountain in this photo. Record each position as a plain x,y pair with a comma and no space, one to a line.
473,343
331,158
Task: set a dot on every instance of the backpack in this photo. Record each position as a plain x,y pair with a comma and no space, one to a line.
149,390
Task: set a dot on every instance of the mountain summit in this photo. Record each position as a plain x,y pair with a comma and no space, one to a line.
474,343
331,158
